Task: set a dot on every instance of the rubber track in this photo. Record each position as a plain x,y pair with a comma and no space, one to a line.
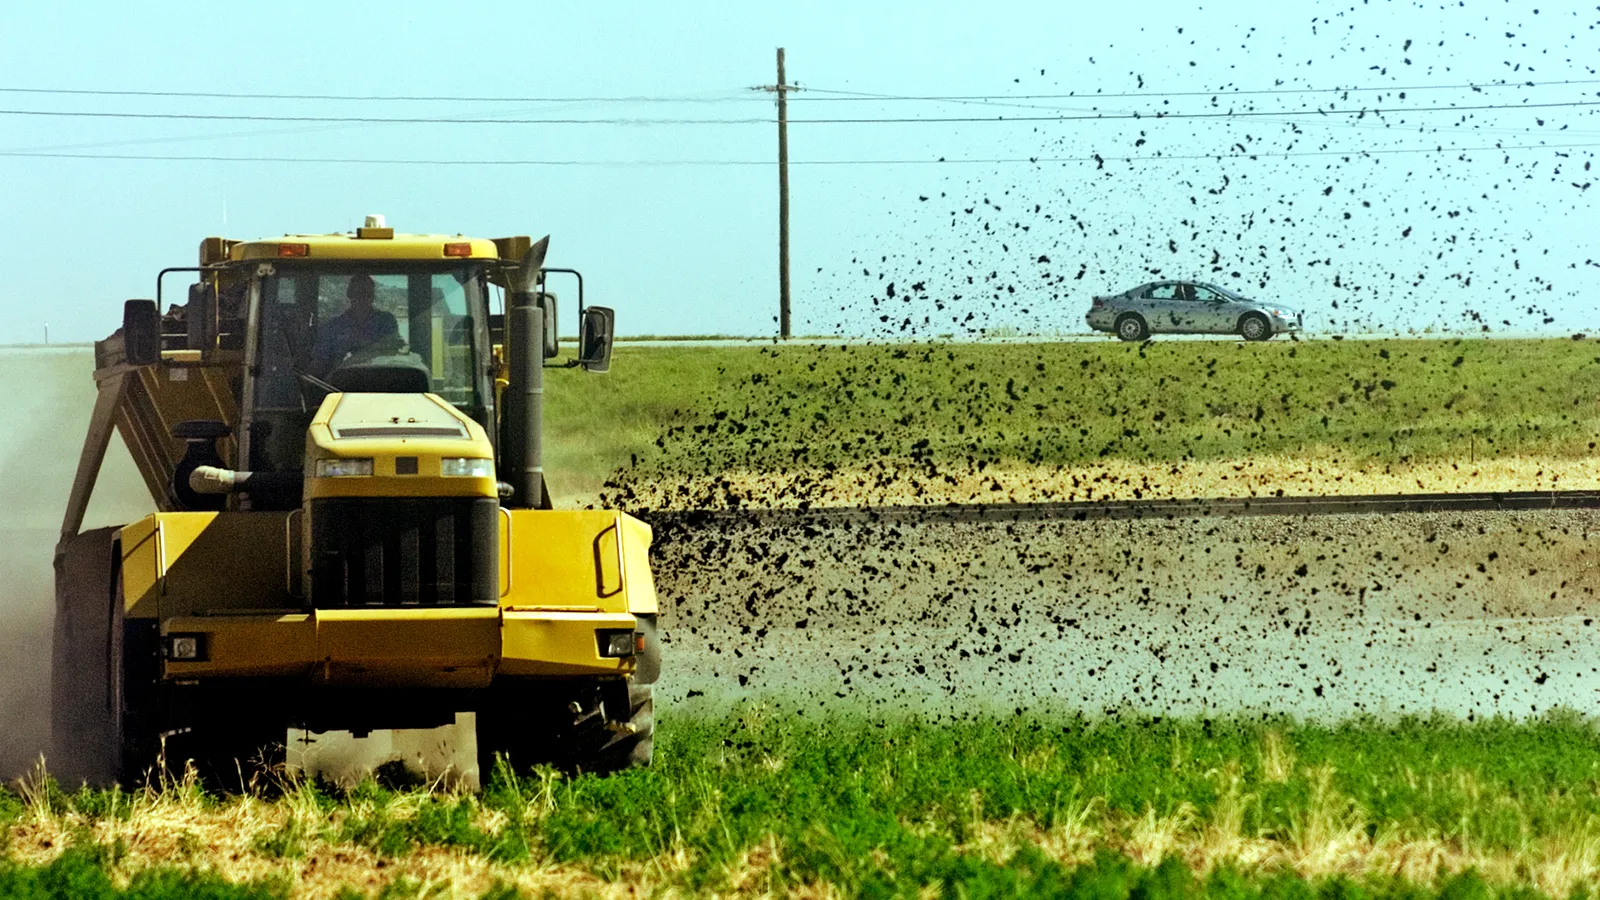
1083,510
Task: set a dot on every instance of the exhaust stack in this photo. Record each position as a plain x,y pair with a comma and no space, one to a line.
522,429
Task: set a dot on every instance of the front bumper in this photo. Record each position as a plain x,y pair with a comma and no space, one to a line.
1282,324
439,648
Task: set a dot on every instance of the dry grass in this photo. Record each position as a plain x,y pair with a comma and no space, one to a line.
180,824
1332,836
1277,760
905,484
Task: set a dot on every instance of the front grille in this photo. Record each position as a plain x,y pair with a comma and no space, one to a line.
392,552
402,431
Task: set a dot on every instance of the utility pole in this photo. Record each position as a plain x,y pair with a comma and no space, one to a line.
782,89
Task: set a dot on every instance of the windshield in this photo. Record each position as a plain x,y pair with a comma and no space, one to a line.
317,323
1231,295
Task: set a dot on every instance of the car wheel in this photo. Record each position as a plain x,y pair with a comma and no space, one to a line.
1131,327
1254,327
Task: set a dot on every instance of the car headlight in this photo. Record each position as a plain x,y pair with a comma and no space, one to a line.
339,468
466,468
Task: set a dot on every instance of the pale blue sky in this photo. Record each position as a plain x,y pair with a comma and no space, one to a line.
692,249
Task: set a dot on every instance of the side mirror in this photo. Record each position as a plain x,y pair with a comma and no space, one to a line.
141,333
201,316
552,340
595,335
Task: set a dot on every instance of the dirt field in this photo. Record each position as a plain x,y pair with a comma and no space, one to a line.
1322,617
1469,613
1112,480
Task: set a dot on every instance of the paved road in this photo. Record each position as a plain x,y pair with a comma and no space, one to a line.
1069,337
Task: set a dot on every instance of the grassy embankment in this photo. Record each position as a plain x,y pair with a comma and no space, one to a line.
939,422
750,806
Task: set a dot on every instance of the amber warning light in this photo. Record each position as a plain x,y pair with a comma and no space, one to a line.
461,249
294,249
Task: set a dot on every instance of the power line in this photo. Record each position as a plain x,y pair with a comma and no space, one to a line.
731,163
367,98
373,120
1008,101
831,94
867,96
914,120
1230,114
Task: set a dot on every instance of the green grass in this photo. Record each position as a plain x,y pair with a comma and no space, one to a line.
673,411
725,784
1024,806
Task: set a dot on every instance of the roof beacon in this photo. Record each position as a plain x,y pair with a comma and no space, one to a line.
375,228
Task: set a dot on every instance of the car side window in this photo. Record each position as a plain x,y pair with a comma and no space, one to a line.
1161,292
1206,295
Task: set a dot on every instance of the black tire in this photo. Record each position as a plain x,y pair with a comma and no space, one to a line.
111,715
522,729
521,732
1131,327
634,747
83,735
230,744
231,753
494,745
1255,327
105,716
139,715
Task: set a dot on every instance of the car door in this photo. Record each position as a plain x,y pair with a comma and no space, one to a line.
1188,314
1214,313
1159,306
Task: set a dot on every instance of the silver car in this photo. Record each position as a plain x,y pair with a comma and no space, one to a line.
1189,307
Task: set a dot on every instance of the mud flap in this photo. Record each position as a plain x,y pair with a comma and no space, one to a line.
647,665
84,743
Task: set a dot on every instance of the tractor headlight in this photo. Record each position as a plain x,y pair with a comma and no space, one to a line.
467,468
186,647
615,643
339,468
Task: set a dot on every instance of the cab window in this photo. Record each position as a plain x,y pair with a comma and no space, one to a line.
315,320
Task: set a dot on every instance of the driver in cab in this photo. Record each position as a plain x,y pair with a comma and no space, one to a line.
360,326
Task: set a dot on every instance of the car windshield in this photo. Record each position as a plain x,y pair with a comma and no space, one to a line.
1227,294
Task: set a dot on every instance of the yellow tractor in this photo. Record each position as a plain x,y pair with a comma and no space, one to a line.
343,443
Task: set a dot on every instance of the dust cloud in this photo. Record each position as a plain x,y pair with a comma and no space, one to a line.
44,414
